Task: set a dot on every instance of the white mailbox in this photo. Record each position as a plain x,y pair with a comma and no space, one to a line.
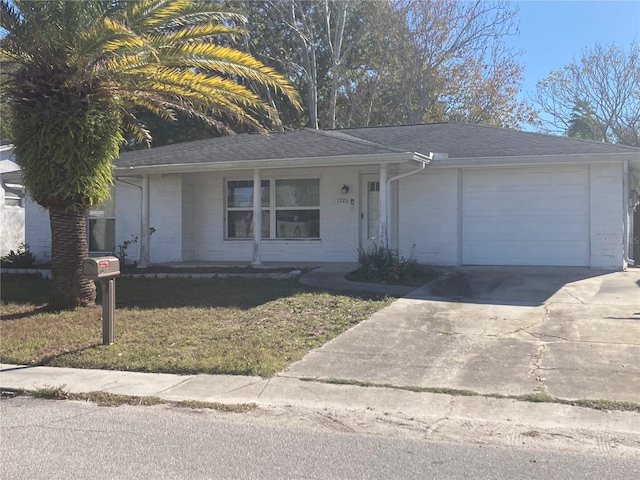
100,267
104,270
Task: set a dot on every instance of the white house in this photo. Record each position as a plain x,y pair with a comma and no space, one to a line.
444,193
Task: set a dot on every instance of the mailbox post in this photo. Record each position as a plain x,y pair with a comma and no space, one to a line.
104,271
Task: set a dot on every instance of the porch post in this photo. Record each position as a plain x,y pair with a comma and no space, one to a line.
257,219
145,224
382,208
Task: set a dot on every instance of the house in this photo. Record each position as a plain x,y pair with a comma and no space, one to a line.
443,193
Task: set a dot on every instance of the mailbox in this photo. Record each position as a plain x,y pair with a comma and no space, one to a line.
100,267
104,270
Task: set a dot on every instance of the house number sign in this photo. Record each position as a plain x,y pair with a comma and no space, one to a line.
346,201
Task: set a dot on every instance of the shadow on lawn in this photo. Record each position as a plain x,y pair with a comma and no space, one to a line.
29,313
241,293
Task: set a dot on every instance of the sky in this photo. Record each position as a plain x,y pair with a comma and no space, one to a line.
553,33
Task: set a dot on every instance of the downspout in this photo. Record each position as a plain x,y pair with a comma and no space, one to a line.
626,214
422,166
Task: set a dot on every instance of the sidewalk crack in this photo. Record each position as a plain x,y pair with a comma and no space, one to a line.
568,292
537,371
263,388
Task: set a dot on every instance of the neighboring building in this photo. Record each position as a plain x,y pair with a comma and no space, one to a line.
11,204
490,196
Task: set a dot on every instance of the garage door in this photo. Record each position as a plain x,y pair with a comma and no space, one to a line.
526,216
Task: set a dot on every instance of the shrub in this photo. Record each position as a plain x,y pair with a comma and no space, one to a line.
381,264
20,258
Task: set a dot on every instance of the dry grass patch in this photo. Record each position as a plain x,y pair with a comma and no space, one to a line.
231,326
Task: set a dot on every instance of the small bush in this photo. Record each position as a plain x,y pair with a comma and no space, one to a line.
21,258
381,264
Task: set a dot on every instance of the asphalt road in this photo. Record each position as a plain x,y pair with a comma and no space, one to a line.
43,439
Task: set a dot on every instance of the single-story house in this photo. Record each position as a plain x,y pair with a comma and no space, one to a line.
442,193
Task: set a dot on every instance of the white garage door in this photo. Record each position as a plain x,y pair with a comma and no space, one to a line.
526,216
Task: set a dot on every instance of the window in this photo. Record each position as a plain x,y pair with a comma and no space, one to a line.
298,208
290,208
102,226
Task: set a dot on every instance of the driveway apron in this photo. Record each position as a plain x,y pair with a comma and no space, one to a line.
574,333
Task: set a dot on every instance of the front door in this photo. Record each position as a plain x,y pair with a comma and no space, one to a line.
370,214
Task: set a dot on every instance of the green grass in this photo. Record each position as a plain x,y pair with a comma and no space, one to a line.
541,396
105,399
230,326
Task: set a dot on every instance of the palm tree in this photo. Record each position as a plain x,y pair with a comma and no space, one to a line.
583,123
77,72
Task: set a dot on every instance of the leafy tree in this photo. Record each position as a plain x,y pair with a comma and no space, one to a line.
600,90
456,66
78,74
394,61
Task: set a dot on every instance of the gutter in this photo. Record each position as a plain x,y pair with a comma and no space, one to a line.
308,162
20,193
568,159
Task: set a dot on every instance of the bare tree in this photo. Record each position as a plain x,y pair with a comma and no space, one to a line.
607,79
458,48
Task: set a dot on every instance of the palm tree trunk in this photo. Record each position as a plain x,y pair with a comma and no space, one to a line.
68,249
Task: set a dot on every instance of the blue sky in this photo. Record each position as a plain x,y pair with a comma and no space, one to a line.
553,33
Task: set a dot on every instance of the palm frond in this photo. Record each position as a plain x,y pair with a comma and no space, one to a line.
228,61
109,36
190,33
147,14
10,17
132,125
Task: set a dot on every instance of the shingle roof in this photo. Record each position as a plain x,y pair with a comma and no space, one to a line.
305,143
459,140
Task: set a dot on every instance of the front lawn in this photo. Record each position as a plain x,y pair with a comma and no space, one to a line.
233,325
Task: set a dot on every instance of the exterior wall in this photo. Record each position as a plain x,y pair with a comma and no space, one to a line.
607,228
339,222
128,211
188,215
188,218
37,231
428,216
166,218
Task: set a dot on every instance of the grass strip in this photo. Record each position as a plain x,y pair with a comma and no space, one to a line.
541,396
105,399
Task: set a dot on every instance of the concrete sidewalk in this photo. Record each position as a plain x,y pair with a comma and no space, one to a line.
291,392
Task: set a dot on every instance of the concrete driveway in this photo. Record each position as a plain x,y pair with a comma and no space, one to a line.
573,332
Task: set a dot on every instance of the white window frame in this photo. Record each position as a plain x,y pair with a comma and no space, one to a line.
247,209
272,209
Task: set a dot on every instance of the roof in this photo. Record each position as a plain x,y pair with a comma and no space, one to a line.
463,140
367,144
297,144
